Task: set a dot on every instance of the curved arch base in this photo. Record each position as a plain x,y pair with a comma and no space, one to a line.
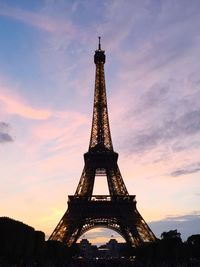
119,214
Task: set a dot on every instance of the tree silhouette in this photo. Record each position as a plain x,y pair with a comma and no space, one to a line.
193,243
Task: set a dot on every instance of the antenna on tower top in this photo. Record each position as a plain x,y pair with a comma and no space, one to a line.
99,42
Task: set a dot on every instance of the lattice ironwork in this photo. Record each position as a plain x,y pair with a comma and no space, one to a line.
118,210
100,134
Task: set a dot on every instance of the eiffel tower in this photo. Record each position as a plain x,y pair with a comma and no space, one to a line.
116,211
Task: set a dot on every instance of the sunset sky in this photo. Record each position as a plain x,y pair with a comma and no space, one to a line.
47,77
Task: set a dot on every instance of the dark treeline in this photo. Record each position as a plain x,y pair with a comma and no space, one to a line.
18,240
21,245
170,250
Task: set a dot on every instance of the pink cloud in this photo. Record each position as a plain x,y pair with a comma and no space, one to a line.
15,105
40,21
59,134
63,125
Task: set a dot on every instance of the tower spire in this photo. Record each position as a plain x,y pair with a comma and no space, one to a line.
99,42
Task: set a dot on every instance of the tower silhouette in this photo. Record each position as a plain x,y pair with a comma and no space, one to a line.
116,211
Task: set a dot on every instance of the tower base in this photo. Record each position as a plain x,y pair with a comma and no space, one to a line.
117,213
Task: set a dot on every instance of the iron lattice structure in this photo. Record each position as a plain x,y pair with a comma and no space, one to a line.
116,211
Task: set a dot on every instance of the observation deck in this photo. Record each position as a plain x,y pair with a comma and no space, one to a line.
105,198
106,205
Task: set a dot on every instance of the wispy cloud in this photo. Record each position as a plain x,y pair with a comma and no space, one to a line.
192,168
162,108
4,133
184,126
38,20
